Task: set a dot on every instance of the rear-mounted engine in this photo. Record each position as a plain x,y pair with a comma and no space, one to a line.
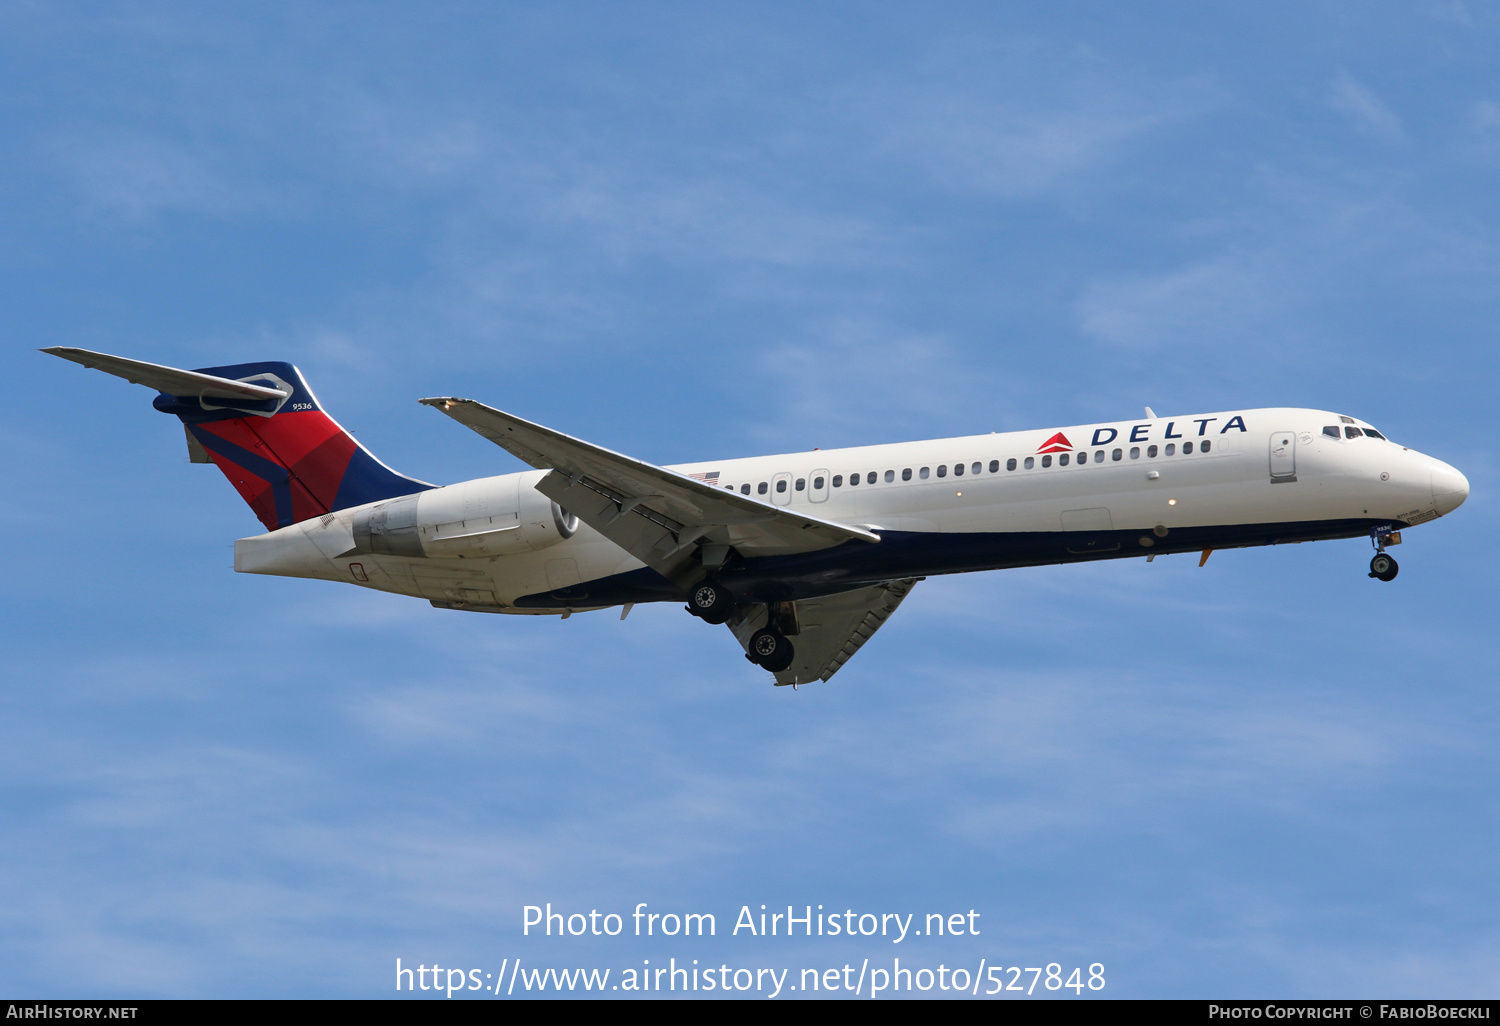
495,516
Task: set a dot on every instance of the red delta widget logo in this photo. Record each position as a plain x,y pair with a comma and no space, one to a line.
1142,433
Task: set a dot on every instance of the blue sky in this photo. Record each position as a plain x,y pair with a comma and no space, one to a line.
703,230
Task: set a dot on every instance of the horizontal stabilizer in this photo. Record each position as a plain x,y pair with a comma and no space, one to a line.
262,426
167,379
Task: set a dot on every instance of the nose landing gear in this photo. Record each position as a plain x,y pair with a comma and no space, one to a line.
1383,566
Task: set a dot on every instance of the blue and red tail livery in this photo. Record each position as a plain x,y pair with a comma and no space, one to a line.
287,458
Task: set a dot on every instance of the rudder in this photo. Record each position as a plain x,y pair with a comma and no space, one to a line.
286,457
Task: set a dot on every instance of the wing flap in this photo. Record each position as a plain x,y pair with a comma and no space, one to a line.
648,535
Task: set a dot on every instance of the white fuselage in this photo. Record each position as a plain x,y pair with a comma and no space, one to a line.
486,543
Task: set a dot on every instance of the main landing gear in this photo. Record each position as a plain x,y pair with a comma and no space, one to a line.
711,602
770,649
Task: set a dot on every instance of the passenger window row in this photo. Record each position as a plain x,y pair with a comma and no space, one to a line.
1114,456
978,467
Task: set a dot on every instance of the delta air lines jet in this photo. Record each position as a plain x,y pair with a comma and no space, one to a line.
802,555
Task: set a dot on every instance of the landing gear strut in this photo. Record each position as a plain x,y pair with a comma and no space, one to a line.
710,602
1383,567
770,649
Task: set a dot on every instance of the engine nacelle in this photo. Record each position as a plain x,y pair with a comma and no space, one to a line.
493,516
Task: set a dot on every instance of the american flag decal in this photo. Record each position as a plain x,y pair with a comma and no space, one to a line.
708,477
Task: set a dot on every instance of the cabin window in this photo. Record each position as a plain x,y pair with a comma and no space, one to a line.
1083,458
1331,430
853,480
1372,433
1010,464
958,470
1187,447
1350,432
1047,460
1204,445
761,488
1030,462
890,475
976,468
744,489
1151,452
1062,461
906,474
1135,452
1171,449
942,471
1116,455
838,480
923,473
801,483
870,477
817,483
780,486
995,466
1099,456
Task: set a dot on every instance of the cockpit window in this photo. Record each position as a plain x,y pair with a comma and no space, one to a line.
1352,432
1376,434
1332,430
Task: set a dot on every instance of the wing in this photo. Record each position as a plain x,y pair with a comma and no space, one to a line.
657,515
167,379
829,630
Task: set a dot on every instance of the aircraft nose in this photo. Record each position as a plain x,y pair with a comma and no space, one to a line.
1449,488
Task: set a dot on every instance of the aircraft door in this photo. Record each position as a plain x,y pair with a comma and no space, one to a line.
1284,456
781,489
817,486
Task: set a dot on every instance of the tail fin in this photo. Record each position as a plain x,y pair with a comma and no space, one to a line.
287,458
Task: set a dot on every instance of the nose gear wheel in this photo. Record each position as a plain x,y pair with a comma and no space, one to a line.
1383,567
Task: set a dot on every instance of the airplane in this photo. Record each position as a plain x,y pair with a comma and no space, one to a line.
803,555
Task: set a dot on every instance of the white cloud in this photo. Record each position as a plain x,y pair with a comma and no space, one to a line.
135,177
851,376
1368,112
1007,149
1280,272
1484,128
1016,119
1207,304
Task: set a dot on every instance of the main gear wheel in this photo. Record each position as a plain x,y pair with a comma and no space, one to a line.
771,650
710,602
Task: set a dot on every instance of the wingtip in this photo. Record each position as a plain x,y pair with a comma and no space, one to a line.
441,402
